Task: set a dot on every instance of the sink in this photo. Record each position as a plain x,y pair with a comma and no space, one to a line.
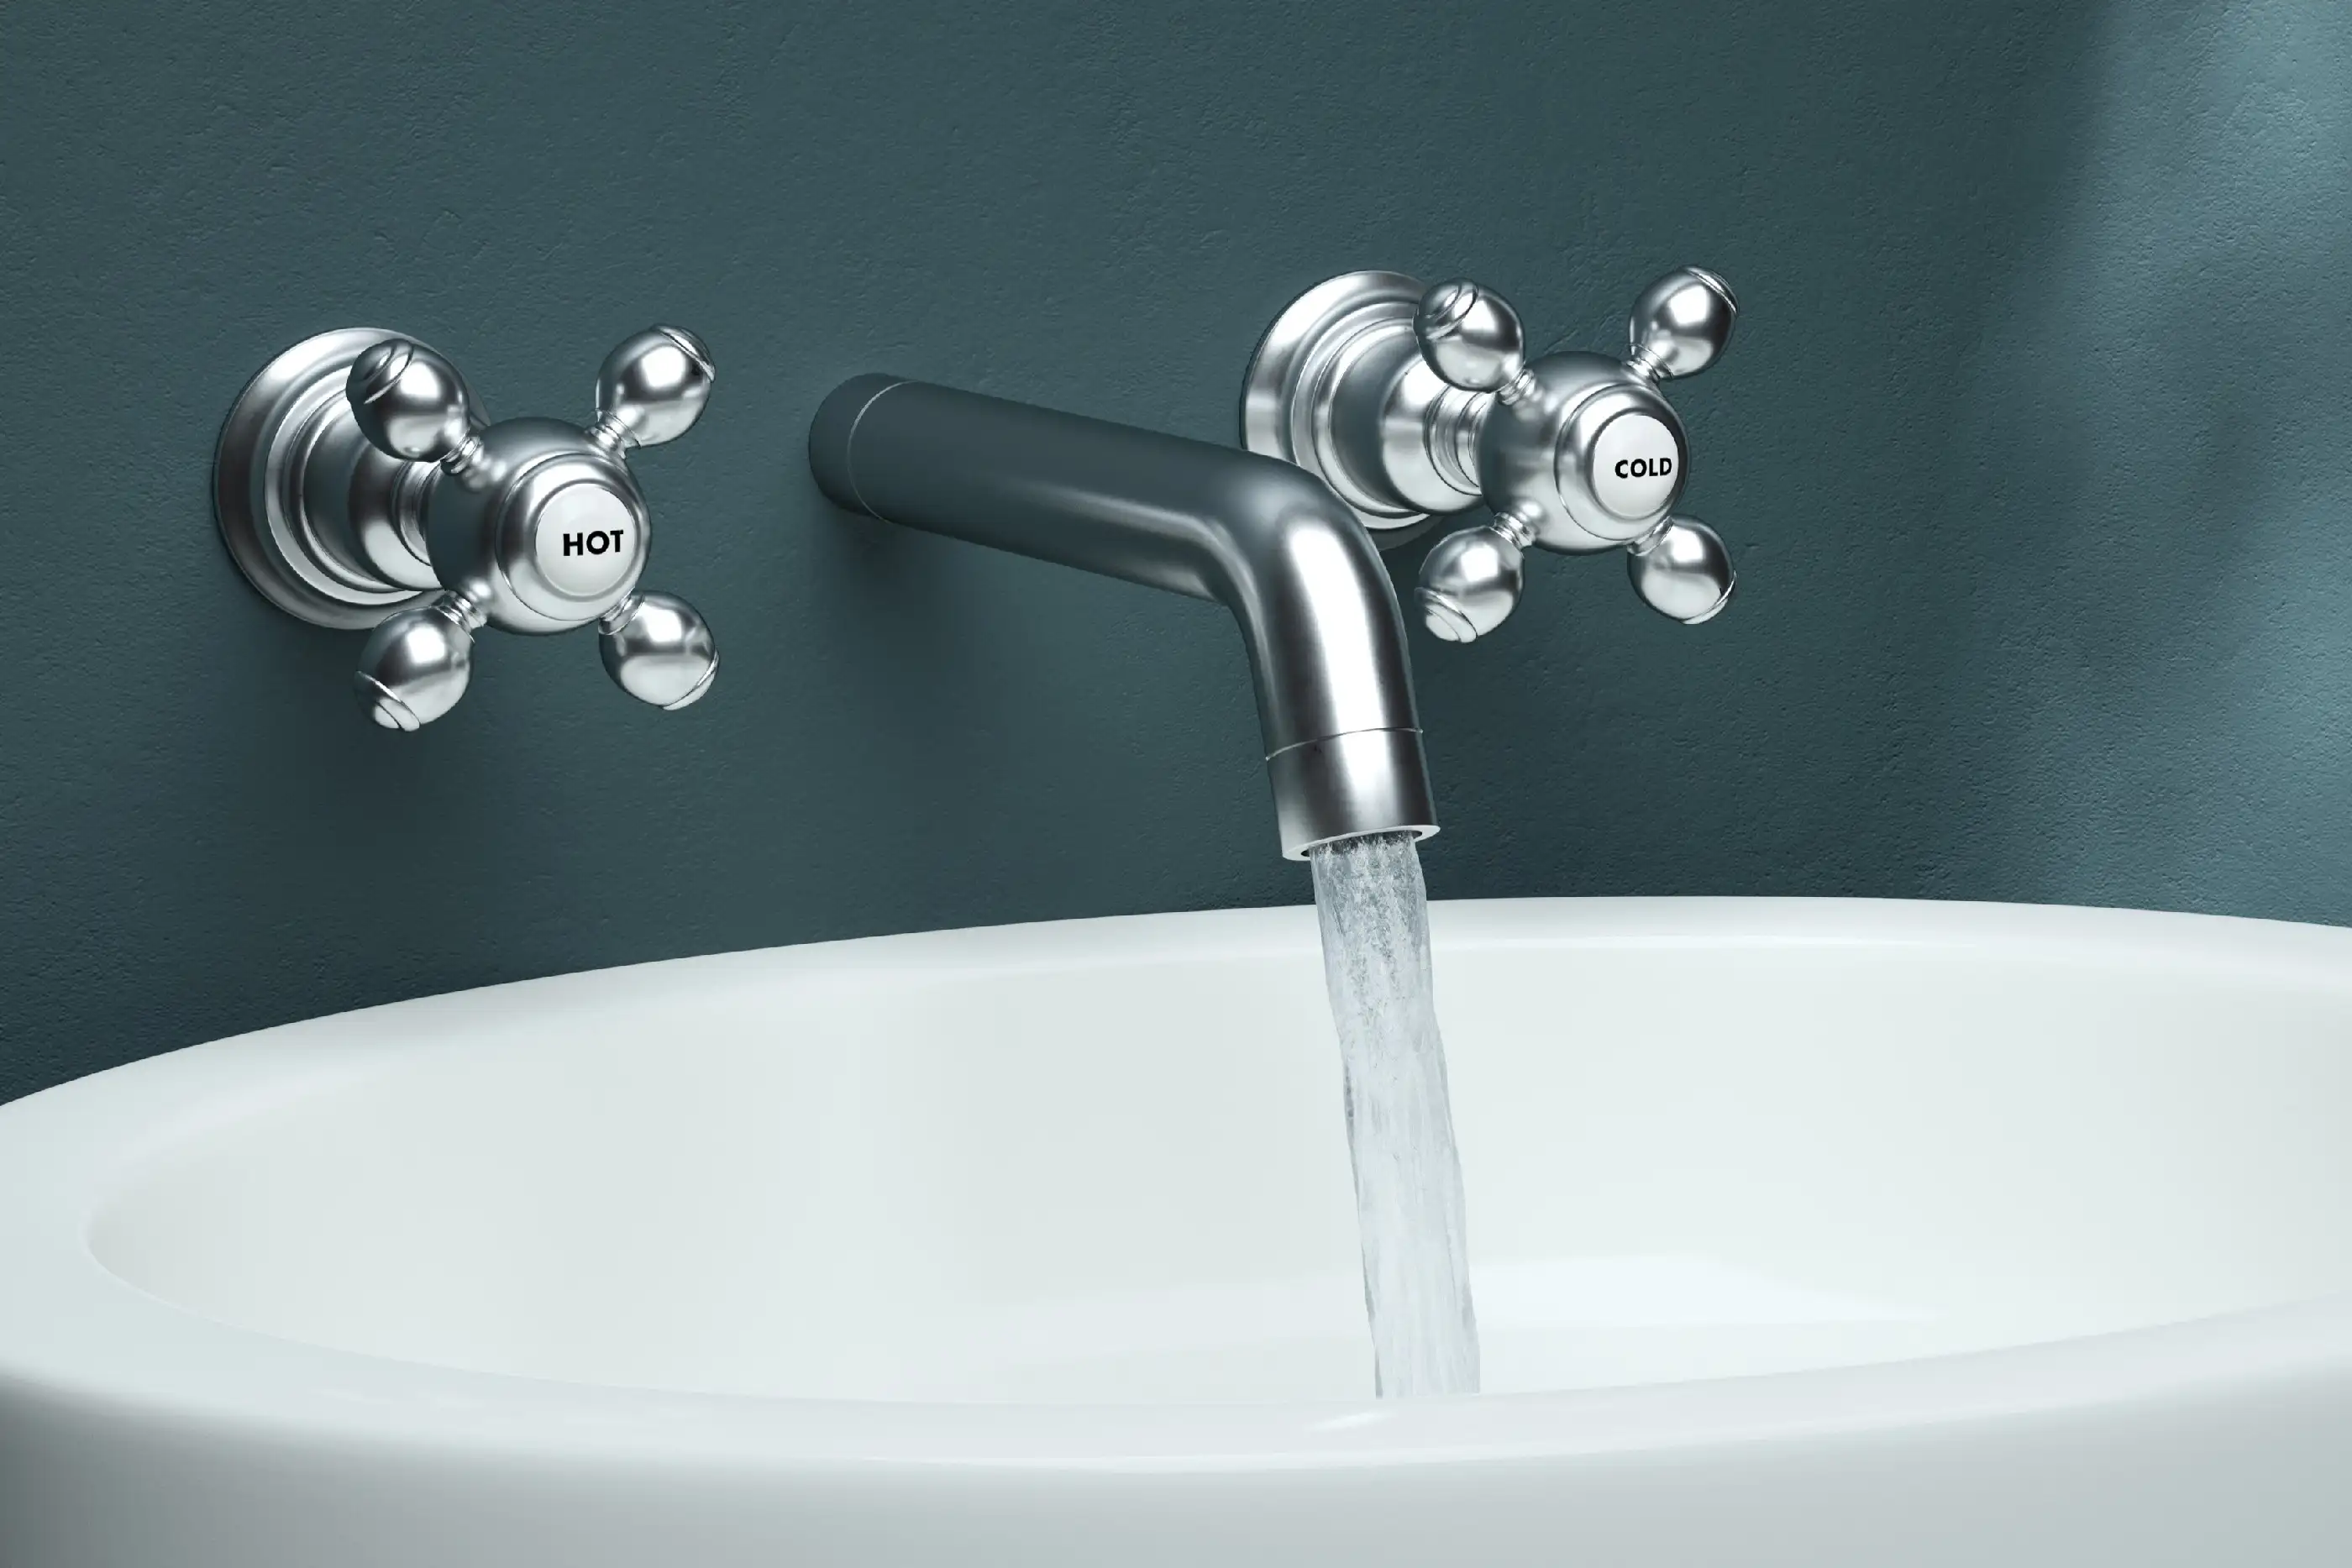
1823,1233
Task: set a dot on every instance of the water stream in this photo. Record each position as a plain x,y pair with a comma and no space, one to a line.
1375,917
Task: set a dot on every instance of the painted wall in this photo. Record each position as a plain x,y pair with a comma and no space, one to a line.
2033,450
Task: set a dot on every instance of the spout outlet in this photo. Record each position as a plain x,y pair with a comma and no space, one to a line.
1265,539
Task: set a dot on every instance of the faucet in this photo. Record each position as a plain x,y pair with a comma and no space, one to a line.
1267,539
1418,403
358,487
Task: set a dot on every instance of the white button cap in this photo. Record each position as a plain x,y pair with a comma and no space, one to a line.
587,542
1636,464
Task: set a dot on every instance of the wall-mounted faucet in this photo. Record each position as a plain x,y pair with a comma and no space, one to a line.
1268,541
1415,401
358,485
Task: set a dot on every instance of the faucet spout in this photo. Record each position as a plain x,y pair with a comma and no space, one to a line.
1267,540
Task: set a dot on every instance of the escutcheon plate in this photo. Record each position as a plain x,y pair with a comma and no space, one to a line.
1292,375
258,472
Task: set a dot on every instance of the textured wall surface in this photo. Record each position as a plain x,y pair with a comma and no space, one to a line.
2032,448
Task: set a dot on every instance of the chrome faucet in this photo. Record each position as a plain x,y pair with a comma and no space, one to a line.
1263,538
357,485
1415,401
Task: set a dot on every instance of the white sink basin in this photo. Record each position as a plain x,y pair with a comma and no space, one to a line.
1838,1234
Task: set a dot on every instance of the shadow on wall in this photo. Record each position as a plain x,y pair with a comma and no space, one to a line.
2160,712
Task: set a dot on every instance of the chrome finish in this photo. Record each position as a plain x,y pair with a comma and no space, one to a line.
290,459
417,663
652,387
1347,785
1682,572
510,521
1264,539
1290,407
410,403
1470,580
658,650
358,485
1681,323
1413,400
1471,338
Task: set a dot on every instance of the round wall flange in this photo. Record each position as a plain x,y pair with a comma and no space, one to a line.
298,490
1289,397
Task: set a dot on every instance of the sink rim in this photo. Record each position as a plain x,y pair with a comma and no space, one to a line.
73,1331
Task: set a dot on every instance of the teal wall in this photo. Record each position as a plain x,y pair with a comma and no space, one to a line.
2033,450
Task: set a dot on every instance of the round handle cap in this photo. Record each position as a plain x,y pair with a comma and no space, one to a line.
1470,583
1470,336
1681,323
416,665
410,401
653,386
1683,571
658,649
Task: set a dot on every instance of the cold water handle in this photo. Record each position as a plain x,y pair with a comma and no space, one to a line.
1576,453
1416,401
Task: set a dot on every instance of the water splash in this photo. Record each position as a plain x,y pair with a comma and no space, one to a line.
1375,917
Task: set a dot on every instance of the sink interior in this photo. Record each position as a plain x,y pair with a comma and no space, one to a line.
1121,1177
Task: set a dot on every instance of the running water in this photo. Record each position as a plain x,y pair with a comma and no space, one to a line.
1375,917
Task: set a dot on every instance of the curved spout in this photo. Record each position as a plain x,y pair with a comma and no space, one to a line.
1267,540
